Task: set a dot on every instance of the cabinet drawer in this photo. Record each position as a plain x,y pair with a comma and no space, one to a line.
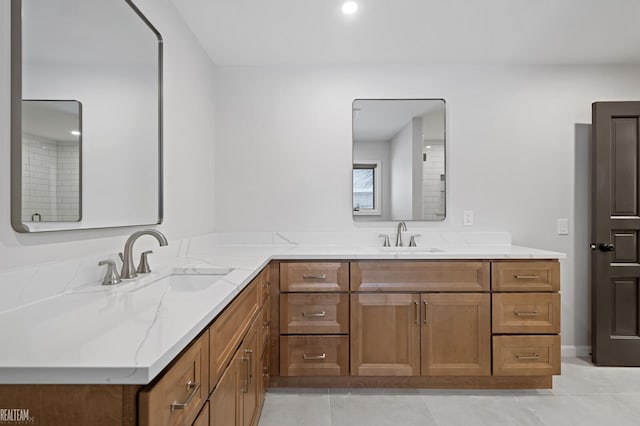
525,276
314,355
230,327
526,355
314,276
177,397
314,313
518,313
419,276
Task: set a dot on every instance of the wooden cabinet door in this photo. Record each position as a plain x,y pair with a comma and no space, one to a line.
251,376
385,335
456,334
227,396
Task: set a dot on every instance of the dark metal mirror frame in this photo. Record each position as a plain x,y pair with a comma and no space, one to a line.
445,153
16,123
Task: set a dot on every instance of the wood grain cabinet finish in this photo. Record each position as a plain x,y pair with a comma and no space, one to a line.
526,276
521,313
314,313
314,355
456,334
526,355
236,398
385,334
314,276
178,396
230,327
264,328
251,376
203,417
420,276
227,396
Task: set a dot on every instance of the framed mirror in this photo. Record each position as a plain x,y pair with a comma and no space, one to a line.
399,148
86,116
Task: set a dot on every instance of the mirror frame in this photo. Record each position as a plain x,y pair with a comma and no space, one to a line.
353,217
16,124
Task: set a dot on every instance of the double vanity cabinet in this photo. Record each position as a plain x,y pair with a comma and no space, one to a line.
343,323
468,324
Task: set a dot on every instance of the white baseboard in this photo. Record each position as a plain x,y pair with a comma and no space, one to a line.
572,351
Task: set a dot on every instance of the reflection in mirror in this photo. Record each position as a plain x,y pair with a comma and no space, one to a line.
399,159
51,146
107,57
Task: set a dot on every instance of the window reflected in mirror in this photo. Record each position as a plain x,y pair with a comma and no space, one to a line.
366,187
399,159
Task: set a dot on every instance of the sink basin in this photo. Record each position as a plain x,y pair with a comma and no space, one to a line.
190,281
408,250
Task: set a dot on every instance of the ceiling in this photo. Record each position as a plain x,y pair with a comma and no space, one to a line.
278,32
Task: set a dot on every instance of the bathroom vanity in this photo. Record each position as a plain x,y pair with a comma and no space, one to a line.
184,346
421,323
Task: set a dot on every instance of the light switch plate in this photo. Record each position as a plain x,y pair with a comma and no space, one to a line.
467,218
563,226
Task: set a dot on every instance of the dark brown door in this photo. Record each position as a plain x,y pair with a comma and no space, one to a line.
615,234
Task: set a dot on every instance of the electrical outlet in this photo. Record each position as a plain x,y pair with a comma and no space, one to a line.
563,226
467,218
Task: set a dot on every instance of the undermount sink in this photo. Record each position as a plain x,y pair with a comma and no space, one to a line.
190,281
408,250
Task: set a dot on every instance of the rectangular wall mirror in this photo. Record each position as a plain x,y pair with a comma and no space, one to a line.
86,116
399,159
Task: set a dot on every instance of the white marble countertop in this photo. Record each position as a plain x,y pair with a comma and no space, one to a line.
128,333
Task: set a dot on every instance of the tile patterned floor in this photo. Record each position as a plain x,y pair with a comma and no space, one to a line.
584,395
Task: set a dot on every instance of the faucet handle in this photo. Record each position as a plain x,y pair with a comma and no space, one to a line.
412,241
386,242
112,276
143,266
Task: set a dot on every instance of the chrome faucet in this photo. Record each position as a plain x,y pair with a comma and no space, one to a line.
401,227
128,267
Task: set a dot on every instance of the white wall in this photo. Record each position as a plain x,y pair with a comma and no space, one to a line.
511,151
189,150
400,155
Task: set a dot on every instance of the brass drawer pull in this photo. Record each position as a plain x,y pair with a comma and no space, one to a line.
417,311
426,316
314,357
321,314
194,387
526,277
528,357
314,276
527,314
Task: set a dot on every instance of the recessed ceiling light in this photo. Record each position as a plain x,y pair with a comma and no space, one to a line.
349,7
428,146
75,133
